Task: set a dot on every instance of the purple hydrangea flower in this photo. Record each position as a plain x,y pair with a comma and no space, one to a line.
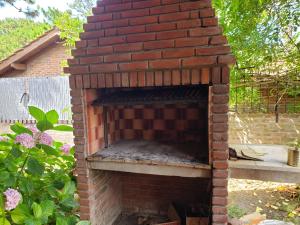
26,140
66,148
45,139
13,198
33,129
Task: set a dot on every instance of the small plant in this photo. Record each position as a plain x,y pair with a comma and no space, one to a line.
295,144
36,182
235,212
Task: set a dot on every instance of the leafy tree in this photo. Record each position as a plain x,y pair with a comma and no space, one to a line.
265,38
15,33
29,11
82,8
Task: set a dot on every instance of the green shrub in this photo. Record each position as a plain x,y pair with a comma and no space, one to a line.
36,174
235,212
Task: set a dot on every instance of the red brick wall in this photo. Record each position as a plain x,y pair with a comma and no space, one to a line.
161,122
154,194
130,43
46,63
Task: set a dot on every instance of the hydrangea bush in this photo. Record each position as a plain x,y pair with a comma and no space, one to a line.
36,174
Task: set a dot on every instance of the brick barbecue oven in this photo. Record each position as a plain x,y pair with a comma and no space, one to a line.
149,85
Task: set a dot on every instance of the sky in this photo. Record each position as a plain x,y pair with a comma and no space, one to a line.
9,11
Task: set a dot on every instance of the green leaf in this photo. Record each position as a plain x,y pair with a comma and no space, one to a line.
61,221
69,188
52,116
58,184
49,150
19,214
83,222
37,210
34,167
44,125
5,143
20,129
36,113
32,221
4,221
16,152
26,185
69,202
63,128
4,176
47,207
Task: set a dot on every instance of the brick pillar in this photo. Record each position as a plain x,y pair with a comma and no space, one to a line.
84,184
220,154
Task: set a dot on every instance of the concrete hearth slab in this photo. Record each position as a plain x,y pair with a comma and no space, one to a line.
150,157
273,168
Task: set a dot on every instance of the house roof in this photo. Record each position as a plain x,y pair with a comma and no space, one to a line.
16,60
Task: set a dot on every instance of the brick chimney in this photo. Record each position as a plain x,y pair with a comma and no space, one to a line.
142,46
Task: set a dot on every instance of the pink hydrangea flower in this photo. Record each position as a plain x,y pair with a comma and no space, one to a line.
45,139
3,138
33,129
13,198
66,148
26,140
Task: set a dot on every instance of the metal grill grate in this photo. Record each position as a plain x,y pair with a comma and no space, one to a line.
155,95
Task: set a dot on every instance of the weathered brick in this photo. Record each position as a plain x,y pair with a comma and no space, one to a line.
213,50
79,69
217,40
220,218
145,4
91,35
209,22
143,20
219,191
164,9
99,18
174,16
198,61
141,37
131,30
112,40
205,31
219,210
226,59
207,12
190,41
171,34
118,7
103,68
178,53
220,155
100,51
133,66
146,55
158,44
184,24
220,108
225,75
165,64
135,13
117,58
128,47
220,164
195,5
160,27
219,201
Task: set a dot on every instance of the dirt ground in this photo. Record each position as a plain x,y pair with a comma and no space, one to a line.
276,200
